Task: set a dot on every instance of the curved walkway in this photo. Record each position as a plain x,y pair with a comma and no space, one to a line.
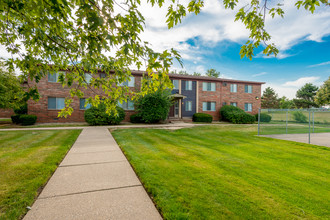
94,181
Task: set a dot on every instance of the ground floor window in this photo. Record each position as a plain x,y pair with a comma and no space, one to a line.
56,103
248,107
208,106
82,104
188,106
128,105
233,104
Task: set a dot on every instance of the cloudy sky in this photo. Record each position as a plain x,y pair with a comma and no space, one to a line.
212,40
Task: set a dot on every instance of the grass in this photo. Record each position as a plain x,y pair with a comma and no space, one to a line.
226,172
292,129
6,126
5,120
27,160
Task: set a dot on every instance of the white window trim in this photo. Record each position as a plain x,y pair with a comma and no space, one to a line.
85,106
248,91
205,86
189,85
129,83
174,84
206,110
188,105
233,103
233,87
125,105
248,109
57,74
56,108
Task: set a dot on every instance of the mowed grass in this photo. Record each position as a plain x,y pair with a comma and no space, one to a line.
226,172
27,160
292,129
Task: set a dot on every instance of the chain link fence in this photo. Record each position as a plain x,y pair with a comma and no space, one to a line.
293,121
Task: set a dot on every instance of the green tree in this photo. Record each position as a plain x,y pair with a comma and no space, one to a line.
212,73
285,103
197,74
323,94
11,92
104,35
269,99
305,96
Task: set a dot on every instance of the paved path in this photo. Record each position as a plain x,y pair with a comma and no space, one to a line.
322,139
94,181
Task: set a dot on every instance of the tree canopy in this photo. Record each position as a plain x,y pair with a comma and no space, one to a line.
269,99
323,94
11,92
104,35
305,96
212,73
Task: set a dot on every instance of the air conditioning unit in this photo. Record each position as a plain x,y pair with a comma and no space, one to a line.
224,84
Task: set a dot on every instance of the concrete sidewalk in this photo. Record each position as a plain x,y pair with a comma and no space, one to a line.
94,181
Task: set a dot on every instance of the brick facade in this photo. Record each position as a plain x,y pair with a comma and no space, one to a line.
220,96
6,113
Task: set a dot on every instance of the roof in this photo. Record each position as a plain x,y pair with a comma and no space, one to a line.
200,78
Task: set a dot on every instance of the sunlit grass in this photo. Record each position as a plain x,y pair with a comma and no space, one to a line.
27,160
226,172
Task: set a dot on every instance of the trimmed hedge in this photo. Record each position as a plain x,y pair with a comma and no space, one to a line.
136,118
28,119
236,115
15,119
24,119
98,116
22,110
202,117
264,117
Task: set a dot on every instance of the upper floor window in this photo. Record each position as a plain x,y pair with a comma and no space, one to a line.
233,104
83,103
88,77
129,83
209,86
233,87
56,103
175,84
188,106
128,105
248,89
208,106
248,107
188,85
53,77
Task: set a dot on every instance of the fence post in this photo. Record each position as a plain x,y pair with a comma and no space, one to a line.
309,120
313,121
259,121
286,128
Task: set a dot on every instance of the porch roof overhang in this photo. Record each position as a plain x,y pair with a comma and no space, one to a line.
178,96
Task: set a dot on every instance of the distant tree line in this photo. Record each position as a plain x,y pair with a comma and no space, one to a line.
209,72
307,96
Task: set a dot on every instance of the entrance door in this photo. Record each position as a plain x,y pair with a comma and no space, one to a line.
176,109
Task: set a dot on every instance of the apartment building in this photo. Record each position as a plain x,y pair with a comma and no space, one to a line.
191,94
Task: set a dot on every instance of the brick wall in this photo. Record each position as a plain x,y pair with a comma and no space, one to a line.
223,95
6,113
50,89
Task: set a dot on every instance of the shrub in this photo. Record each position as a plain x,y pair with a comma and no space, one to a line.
28,119
202,117
22,110
136,118
264,117
236,115
299,117
98,116
154,107
16,119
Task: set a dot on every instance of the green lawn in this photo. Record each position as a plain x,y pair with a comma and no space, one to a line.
292,129
226,172
27,160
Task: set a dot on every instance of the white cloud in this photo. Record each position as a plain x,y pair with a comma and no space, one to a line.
302,81
281,90
259,74
320,64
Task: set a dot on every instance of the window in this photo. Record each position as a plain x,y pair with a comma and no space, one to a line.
129,83
188,106
82,104
56,103
233,104
103,75
208,106
233,87
208,86
248,89
188,85
129,105
248,107
175,84
88,77
53,77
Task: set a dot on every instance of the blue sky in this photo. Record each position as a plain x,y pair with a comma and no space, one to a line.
213,40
